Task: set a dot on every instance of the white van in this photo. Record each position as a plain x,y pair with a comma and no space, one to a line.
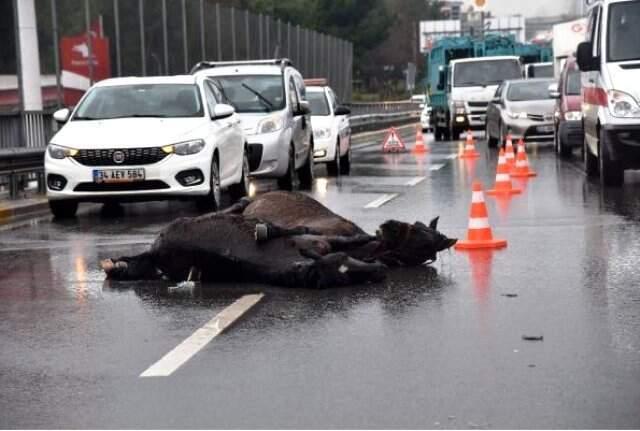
610,62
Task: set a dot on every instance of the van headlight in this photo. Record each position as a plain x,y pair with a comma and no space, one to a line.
59,152
270,124
573,116
322,133
185,148
623,105
517,115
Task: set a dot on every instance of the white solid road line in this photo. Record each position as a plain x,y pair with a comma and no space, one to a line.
452,156
192,345
381,200
436,167
415,181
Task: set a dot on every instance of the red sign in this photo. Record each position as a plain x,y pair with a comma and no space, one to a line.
74,54
392,143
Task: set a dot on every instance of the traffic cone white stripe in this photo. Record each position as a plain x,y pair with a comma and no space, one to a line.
477,197
479,223
503,178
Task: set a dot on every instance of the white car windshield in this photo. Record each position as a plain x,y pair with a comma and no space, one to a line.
483,73
318,102
252,93
143,100
624,31
529,90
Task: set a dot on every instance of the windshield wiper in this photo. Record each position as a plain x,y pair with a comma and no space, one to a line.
85,118
266,101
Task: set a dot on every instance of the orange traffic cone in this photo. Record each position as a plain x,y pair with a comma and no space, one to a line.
419,147
469,148
479,234
521,168
503,185
509,153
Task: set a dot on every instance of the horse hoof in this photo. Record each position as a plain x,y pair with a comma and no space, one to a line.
262,232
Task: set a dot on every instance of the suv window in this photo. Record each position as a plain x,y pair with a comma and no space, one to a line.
623,32
210,96
293,95
252,93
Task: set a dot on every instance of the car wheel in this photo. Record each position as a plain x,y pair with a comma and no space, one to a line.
288,181
611,171
63,209
306,173
562,149
345,163
240,190
590,161
333,167
211,202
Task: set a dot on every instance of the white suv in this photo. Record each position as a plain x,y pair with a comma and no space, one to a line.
331,128
133,139
610,62
270,97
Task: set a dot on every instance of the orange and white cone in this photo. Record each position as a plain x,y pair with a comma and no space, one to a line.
469,148
503,186
509,153
521,168
479,234
419,147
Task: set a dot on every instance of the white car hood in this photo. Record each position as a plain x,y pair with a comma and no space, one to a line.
626,80
473,94
127,132
250,120
322,121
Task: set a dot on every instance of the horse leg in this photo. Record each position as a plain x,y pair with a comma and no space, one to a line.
268,231
238,207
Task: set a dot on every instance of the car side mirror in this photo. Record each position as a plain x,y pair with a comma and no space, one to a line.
496,100
61,116
553,91
342,110
303,108
586,61
221,111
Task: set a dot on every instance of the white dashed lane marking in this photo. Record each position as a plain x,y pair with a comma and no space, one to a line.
415,181
199,339
381,200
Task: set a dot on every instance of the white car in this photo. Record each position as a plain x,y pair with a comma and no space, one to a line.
331,129
137,139
269,96
425,118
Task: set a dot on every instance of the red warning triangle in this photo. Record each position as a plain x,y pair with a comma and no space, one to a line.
392,142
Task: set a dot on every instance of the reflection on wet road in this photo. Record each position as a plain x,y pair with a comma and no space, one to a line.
438,346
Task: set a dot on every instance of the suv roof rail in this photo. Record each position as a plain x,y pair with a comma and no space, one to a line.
282,62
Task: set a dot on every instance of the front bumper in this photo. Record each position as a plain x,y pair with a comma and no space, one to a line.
269,154
571,133
160,180
530,130
623,142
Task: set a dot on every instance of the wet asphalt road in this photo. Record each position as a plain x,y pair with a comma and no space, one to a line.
432,347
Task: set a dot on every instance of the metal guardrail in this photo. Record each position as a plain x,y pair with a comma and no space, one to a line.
361,108
21,165
30,129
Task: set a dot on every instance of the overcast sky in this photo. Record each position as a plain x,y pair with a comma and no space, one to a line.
530,8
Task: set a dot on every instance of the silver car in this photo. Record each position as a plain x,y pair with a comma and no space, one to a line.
523,108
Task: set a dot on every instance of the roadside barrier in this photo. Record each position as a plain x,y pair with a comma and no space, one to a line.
503,186
521,168
479,233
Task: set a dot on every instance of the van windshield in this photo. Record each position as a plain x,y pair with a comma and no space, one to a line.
483,73
624,31
252,93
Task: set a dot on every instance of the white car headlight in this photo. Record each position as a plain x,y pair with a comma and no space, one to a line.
59,152
517,115
623,104
270,124
322,133
185,148
573,116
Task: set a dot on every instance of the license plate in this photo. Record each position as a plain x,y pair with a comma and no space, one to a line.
118,175
545,129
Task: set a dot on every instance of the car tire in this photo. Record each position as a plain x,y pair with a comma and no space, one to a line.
611,171
334,167
590,161
288,181
306,173
63,208
345,163
240,190
562,150
211,202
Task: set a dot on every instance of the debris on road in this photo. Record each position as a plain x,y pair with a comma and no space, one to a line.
510,295
533,337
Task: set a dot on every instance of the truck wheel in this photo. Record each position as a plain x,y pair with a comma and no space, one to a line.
611,171
63,209
590,161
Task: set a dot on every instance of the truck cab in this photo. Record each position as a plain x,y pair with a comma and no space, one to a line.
610,63
470,85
